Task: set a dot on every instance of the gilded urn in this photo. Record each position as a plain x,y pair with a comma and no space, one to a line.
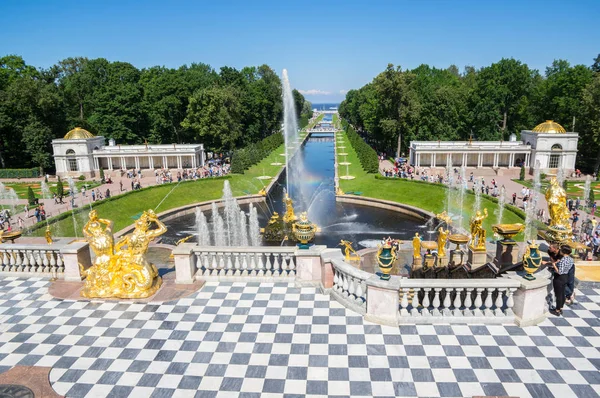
508,232
532,259
304,231
386,255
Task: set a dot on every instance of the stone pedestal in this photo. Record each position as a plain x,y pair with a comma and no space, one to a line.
530,306
327,267
476,258
457,257
308,265
506,255
73,254
442,261
185,266
383,300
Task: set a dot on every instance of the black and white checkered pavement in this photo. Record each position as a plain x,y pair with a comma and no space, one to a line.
233,339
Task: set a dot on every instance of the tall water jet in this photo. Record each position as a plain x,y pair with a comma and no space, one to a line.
290,125
586,192
254,227
530,212
560,175
202,228
46,194
461,198
243,229
232,211
10,196
477,186
501,203
219,231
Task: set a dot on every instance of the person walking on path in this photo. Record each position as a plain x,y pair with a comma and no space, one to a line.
561,277
26,208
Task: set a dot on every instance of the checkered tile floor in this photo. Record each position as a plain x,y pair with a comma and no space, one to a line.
274,339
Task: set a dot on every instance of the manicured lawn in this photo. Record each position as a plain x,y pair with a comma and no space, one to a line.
427,196
574,188
21,188
314,122
121,209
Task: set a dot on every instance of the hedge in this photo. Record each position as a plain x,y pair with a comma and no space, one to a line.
242,159
20,173
366,154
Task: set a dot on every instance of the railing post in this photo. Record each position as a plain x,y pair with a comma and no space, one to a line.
73,254
308,264
530,307
185,263
383,300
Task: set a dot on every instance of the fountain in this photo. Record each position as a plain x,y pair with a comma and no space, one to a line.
501,204
9,195
586,192
202,228
290,128
46,194
530,212
254,228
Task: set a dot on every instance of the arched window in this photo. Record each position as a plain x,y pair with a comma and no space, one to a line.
554,161
557,147
72,160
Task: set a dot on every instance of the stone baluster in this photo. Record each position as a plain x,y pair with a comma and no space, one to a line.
468,302
5,260
335,279
292,265
359,292
268,265
458,302
12,261
18,262
489,302
222,264
478,302
284,265
45,261
278,268
351,288
53,262
436,302
345,284
261,264
415,302
510,302
26,267
426,302
229,264
237,266
245,264
447,302
60,263
252,265
404,302
214,264
499,302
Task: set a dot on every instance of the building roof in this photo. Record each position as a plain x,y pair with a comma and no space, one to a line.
549,127
78,134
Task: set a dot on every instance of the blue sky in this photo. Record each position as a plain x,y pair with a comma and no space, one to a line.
328,47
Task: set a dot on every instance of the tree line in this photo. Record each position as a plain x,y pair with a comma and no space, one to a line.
489,103
223,109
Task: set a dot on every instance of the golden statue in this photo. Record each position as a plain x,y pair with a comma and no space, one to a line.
338,191
274,218
1,235
441,241
348,250
445,217
416,246
557,205
183,240
121,270
262,192
477,231
289,215
48,235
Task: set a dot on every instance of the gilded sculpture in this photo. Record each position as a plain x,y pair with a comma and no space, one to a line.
121,269
416,242
289,215
351,254
560,228
441,241
478,233
48,235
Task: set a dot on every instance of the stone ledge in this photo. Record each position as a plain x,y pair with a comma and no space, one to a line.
36,378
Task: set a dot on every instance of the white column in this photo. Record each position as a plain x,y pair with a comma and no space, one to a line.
479,159
151,162
418,160
110,162
179,165
433,159
511,159
496,155
165,165
464,160
527,160
193,159
137,163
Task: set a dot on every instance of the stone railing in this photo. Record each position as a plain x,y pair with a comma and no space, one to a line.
457,300
59,260
349,285
31,260
263,261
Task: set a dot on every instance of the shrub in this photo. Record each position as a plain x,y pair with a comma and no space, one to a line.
31,199
81,178
565,185
522,174
543,176
366,154
101,174
591,198
60,189
20,173
244,158
46,178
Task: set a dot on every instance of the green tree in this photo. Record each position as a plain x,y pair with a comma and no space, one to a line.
60,189
214,115
31,199
522,174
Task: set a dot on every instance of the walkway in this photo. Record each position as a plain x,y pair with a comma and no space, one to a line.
267,339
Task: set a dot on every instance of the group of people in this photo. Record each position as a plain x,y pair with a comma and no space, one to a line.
562,267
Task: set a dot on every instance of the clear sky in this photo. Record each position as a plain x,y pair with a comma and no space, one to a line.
328,47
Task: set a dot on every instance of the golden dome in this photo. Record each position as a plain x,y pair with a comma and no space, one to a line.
549,127
78,134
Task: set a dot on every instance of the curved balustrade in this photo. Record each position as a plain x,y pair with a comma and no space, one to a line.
31,260
350,285
223,262
455,300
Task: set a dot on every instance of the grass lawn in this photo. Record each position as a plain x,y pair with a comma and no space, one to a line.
314,122
21,187
122,208
427,196
574,188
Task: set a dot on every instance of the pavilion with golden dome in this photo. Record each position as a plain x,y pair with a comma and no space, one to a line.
547,143
80,152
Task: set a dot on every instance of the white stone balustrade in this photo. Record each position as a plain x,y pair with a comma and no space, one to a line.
457,300
232,263
32,260
349,284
